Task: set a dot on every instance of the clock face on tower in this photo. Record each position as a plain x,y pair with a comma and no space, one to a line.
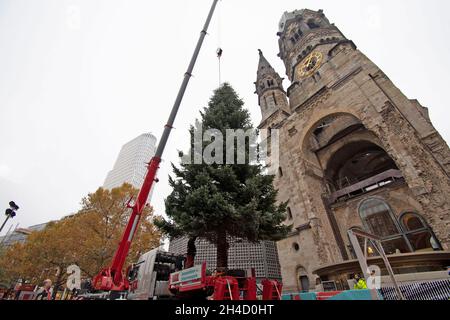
309,65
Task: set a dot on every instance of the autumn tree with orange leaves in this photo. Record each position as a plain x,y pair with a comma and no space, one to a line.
88,239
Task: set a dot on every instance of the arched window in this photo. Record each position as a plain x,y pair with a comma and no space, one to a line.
410,233
379,220
418,232
296,36
312,24
303,280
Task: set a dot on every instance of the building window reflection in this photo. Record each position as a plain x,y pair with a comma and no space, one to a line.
419,232
410,233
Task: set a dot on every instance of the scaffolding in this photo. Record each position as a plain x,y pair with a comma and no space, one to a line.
362,256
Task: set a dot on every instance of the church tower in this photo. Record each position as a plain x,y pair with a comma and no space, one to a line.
272,97
355,152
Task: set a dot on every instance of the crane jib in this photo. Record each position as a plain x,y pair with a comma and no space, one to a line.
112,278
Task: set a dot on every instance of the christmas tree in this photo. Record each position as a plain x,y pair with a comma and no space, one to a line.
218,201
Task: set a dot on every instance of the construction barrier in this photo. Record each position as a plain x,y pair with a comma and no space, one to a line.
355,295
366,295
433,290
299,296
428,291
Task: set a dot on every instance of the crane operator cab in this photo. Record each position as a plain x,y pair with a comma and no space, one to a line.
149,277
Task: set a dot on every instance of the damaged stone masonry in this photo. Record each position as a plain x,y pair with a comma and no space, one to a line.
355,152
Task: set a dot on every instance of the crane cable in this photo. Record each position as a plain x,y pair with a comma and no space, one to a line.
219,51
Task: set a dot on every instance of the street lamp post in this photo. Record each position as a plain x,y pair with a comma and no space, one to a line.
10,213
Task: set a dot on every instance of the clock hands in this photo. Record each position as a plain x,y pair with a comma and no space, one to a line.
310,64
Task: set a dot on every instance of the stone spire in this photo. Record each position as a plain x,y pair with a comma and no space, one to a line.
264,66
266,72
269,88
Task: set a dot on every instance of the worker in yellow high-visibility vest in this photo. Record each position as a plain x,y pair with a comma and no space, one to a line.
360,283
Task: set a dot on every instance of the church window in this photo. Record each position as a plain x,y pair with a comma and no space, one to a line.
289,213
418,232
280,173
410,233
274,98
298,35
312,24
270,83
378,219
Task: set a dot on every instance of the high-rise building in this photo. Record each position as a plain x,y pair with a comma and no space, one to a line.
130,166
355,152
242,255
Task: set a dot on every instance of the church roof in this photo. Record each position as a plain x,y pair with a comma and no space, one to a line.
264,67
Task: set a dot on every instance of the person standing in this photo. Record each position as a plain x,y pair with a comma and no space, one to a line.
360,283
45,293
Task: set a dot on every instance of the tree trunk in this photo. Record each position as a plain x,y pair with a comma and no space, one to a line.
222,251
191,252
58,282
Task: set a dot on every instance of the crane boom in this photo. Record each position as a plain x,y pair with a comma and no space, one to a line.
113,278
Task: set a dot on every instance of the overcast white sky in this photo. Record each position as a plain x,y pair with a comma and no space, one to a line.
79,78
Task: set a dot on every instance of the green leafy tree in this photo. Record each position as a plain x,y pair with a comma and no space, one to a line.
219,201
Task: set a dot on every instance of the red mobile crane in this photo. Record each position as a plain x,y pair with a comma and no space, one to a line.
192,281
113,278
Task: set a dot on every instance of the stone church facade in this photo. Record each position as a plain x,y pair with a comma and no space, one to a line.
355,152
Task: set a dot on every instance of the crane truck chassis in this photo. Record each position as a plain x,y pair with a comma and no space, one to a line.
159,275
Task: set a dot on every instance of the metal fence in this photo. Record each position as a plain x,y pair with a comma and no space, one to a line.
434,290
